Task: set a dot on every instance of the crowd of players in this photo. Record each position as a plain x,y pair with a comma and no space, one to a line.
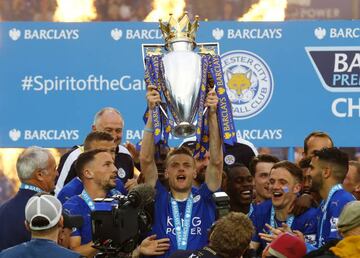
278,208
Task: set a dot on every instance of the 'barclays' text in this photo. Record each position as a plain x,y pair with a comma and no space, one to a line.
56,135
258,134
51,34
254,34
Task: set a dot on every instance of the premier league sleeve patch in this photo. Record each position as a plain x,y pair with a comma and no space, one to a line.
121,173
333,224
196,198
311,239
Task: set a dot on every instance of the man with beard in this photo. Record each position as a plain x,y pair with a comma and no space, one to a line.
239,187
200,163
316,140
98,174
94,140
284,185
260,167
107,120
315,198
185,213
240,152
328,170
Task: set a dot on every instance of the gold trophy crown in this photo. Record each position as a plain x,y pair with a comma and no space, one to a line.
179,29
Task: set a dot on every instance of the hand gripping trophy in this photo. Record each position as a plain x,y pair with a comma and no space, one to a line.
183,77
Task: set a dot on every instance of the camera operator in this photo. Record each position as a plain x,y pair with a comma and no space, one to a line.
94,140
229,238
194,205
98,173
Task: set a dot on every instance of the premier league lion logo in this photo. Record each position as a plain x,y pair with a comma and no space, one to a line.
249,83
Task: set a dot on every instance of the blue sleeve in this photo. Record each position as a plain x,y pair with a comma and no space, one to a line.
254,218
76,232
310,222
160,189
205,192
309,247
335,208
63,196
161,196
72,209
120,187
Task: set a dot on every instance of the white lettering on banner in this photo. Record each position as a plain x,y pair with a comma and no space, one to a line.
257,134
38,83
254,34
195,226
138,135
51,135
351,33
126,83
346,79
51,34
346,107
134,135
340,75
143,34
342,64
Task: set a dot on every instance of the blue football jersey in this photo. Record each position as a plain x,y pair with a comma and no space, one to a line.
77,206
75,187
202,218
306,222
329,228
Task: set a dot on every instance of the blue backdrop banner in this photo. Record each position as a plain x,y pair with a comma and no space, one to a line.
284,79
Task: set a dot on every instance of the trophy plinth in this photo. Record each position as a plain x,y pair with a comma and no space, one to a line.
183,130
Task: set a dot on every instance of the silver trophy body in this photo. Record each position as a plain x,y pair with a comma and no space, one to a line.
182,71
182,74
182,79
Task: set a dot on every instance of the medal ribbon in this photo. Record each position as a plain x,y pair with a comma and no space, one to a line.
182,231
87,199
30,187
323,206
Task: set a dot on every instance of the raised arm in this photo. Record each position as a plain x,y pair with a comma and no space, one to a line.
147,152
213,174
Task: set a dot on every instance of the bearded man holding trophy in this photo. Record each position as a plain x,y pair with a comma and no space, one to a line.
192,86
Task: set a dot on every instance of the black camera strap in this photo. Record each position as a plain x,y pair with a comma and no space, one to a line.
206,252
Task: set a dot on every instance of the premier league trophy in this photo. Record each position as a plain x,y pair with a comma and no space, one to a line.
183,77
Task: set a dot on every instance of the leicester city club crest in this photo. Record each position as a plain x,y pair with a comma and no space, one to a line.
249,82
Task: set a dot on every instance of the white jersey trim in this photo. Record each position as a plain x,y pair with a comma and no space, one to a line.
66,168
123,149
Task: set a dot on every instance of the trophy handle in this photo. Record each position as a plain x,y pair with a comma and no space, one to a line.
212,48
204,48
152,49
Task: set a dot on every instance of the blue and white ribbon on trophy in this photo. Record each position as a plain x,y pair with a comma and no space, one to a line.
211,77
